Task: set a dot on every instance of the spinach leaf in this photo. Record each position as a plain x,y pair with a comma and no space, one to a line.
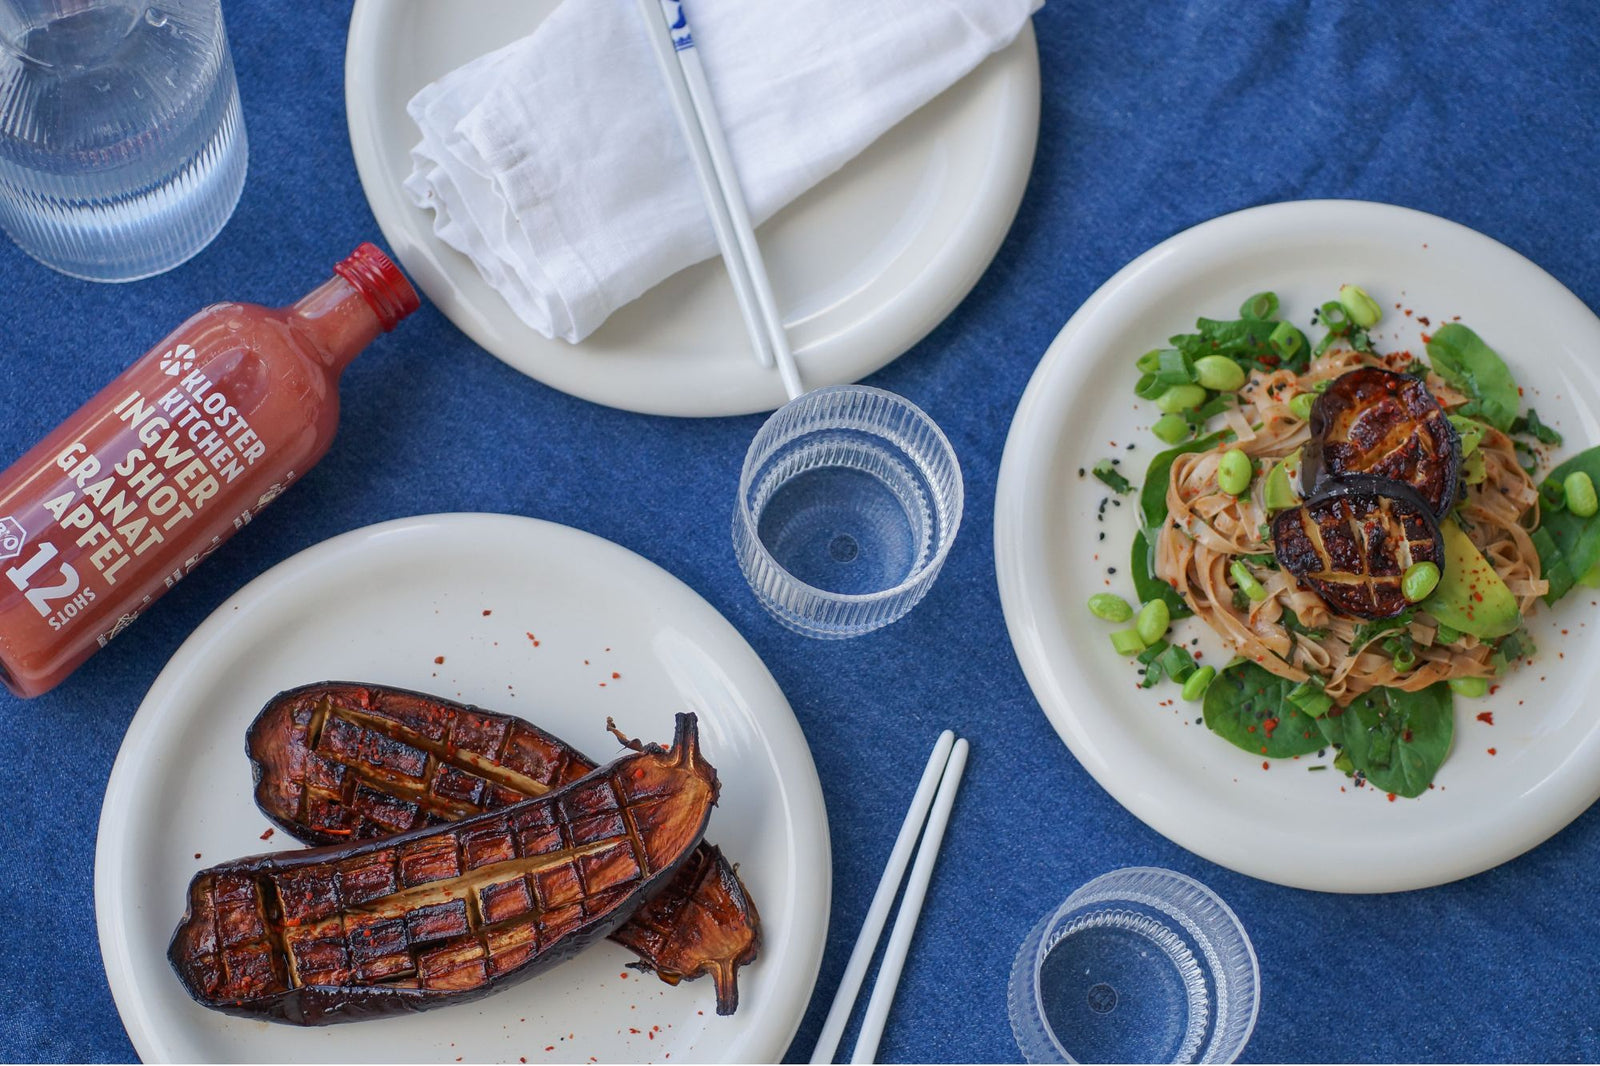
1145,583
1397,739
1249,708
1568,546
1153,497
1461,358
1367,632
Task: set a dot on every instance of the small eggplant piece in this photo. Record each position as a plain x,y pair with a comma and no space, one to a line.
447,914
339,761
1353,542
1379,423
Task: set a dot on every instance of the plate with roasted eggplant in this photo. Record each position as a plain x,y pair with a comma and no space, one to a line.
467,787
1298,545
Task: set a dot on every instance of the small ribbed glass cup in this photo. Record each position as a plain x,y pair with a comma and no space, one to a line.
848,502
1138,965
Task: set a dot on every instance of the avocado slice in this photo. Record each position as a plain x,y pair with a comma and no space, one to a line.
1470,595
1278,491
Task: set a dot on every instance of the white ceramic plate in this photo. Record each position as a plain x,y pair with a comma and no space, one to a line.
1285,824
380,604
863,266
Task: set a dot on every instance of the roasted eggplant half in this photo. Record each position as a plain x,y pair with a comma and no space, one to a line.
1378,423
1353,541
446,914
339,761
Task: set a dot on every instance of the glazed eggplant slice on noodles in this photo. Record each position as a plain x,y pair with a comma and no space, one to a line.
339,761
1378,423
446,914
1353,542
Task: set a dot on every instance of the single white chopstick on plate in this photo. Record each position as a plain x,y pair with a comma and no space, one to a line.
905,923
855,971
719,184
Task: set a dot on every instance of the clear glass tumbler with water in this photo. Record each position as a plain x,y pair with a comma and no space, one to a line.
1138,965
848,503
122,146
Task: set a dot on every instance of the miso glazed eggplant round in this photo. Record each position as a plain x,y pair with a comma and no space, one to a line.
339,761
1378,423
1353,543
445,914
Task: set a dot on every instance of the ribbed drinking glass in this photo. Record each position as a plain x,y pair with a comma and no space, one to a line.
848,502
122,146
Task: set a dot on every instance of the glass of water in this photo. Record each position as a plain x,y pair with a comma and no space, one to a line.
1138,965
122,147
848,502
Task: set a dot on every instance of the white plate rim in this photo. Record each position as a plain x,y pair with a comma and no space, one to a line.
890,331
1120,768
810,827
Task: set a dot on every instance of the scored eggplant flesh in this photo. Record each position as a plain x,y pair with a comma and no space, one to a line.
338,761
446,914
1352,543
1378,423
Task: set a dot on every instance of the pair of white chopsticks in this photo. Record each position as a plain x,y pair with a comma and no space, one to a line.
719,184
943,773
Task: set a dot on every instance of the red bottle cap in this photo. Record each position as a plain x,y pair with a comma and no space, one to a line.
376,277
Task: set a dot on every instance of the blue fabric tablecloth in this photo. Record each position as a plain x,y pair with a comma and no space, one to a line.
1156,116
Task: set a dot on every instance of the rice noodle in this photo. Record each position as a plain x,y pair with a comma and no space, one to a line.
1207,530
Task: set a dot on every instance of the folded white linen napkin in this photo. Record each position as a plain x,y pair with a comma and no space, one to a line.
556,163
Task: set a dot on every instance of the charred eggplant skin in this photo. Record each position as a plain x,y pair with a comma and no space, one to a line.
1378,423
446,914
338,761
1352,542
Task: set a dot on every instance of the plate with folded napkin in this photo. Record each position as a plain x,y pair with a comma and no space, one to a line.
524,162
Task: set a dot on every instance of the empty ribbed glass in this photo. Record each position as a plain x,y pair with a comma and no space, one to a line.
848,503
122,147
1138,965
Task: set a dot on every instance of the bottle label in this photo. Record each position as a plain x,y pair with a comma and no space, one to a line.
139,485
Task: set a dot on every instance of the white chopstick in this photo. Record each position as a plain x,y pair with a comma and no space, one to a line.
855,970
905,923
719,184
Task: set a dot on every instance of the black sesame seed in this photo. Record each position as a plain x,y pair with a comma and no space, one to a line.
1111,569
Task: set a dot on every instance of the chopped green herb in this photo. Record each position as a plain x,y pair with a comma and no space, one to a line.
1528,425
1106,471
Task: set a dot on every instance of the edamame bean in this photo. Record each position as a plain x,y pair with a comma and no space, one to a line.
1581,499
1419,580
1247,582
1127,642
1195,687
1362,309
1181,398
1171,428
1110,607
1302,403
1234,472
1219,372
1154,618
1470,687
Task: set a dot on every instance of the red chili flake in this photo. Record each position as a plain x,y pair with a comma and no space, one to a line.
1249,729
602,684
487,612
438,660
634,1031
1266,765
650,1036
524,1058
1426,339
614,674
1405,735
623,975
549,1047
1408,312
1493,689
534,639
197,854
1486,717
268,834
1424,318
1492,751
1268,726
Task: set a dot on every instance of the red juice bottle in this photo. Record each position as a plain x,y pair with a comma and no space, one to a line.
144,481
